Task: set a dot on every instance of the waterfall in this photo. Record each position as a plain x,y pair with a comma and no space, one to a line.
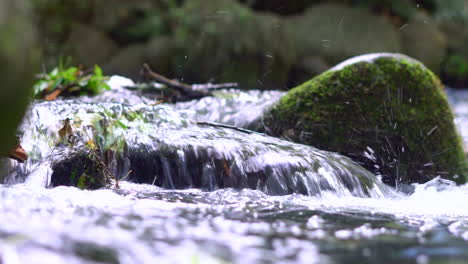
165,146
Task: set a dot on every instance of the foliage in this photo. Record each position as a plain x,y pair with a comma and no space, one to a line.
70,81
452,10
109,132
456,66
100,144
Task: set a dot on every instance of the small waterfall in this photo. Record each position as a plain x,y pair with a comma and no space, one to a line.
159,145
233,107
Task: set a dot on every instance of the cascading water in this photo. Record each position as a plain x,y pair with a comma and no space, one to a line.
345,216
165,149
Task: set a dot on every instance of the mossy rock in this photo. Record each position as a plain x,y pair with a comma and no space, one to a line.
79,170
18,63
386,111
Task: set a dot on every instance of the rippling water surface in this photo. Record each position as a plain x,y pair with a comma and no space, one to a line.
141,223
144,224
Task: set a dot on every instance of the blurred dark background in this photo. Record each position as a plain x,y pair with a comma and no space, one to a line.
265,44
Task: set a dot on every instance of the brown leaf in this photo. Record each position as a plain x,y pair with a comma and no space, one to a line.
227,169
53,95
19,154
66,132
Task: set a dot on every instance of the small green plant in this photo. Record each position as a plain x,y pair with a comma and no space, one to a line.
456,66
70,81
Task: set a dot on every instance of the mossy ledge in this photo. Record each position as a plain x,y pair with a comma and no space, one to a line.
386,111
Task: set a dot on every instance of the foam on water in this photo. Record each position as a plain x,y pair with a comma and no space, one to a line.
239,226
141,223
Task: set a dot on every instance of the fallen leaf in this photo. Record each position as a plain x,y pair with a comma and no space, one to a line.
53,95
19,154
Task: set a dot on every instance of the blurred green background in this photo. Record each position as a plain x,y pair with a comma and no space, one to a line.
263,44
19,61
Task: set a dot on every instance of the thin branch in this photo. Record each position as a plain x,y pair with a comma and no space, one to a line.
224,126
212,87
193,91
184,88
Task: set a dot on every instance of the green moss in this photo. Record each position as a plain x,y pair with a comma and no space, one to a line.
391,106
82,170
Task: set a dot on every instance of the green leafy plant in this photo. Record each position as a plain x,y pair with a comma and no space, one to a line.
70,81
456,66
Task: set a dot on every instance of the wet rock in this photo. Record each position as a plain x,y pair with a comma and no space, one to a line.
89,46
305,68
338,31
127,62
81,170
159,54
154,145
386,111
19,63
424,41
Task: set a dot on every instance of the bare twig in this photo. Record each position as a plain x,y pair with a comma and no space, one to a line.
184,88
194,91
224,126
212,87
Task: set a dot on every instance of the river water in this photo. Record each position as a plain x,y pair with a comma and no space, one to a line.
340,221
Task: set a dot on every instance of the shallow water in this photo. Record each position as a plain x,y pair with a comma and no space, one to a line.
144,224
141,223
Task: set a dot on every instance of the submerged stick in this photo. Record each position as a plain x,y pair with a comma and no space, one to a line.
224,126
212,86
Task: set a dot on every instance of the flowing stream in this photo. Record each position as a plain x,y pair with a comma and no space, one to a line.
208,193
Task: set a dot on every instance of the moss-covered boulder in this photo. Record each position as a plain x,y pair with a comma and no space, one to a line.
386,111
18,63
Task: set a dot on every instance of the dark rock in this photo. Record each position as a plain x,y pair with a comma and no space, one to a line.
110,15
79,170
230,43
89,46
127,62
337,31
159,54
424,41
305,68
283,7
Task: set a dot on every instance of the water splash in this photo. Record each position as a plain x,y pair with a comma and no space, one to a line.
165,149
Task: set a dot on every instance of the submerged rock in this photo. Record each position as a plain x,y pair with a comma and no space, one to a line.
386,111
